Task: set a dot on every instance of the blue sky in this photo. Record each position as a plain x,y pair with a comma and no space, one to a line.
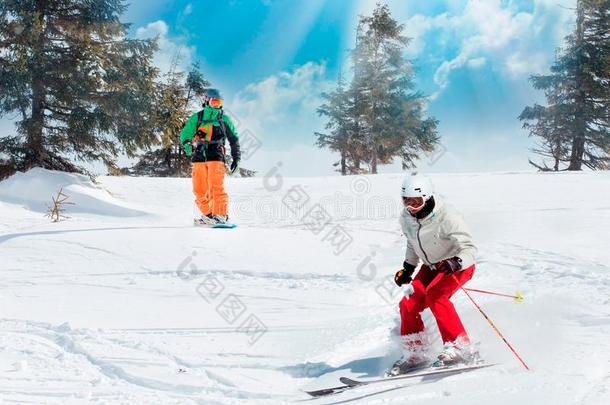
273,58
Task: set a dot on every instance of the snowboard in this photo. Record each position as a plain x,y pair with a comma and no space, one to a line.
350,383
224,226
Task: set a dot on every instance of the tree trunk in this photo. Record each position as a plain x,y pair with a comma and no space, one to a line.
343,164
578,140
557,154
35,125
578,149
374,161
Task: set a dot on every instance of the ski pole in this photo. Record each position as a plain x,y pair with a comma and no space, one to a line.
518,297
492,324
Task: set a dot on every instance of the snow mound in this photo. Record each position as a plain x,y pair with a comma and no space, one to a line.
34,189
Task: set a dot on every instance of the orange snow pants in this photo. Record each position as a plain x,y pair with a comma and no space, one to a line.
209,189
433,290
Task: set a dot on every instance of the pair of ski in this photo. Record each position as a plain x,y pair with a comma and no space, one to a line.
420,372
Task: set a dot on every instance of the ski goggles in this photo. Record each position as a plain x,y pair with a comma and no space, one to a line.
215,102
414,204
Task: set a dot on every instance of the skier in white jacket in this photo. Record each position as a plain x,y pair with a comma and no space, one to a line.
437,237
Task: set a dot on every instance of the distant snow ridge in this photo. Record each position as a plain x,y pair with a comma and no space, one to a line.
34,188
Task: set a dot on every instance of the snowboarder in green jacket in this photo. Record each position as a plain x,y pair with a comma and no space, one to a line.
203,138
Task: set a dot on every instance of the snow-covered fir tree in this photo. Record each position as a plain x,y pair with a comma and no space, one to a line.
81,89
574,126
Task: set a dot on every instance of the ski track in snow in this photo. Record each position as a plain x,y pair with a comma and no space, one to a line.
108,306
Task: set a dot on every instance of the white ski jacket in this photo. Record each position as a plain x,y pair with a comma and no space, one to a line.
439,236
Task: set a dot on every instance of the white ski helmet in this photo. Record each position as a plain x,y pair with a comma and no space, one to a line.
417,186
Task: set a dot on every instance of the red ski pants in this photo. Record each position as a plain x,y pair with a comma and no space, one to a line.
433,290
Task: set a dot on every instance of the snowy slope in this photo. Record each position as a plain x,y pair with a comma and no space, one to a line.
127,302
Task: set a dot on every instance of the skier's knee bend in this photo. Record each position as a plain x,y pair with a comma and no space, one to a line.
410,306
403,305
407,306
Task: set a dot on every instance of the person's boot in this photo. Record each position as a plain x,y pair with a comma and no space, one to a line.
414,356
221,219
451,355
206,220
458,353
407,363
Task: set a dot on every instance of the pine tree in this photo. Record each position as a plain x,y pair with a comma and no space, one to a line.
392,120
81,89
338,140
549,125
176,94
383,113
577,118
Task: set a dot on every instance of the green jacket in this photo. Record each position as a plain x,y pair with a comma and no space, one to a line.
206,148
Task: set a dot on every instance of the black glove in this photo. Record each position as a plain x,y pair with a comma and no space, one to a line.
403,276
449,266
234,166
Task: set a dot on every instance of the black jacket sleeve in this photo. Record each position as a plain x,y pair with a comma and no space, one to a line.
233,141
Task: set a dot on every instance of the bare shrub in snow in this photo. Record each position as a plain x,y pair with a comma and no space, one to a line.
57,209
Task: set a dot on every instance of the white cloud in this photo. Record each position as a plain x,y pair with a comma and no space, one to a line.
139,11
169,47
280,110
492,32
415,28
188,9
284,97
152,29
491,29
476,62
518,64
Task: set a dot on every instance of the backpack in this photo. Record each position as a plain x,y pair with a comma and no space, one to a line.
205,131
